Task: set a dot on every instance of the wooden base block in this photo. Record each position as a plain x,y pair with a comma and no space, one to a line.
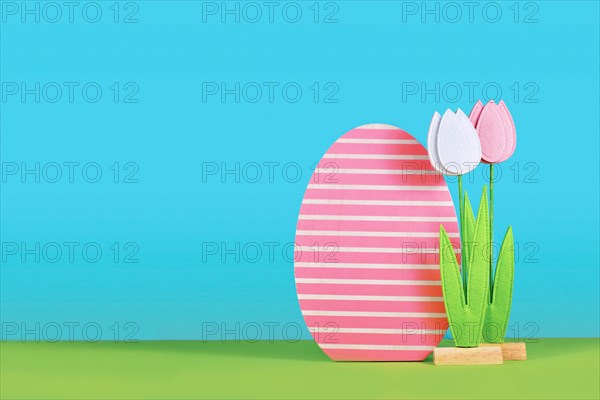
511,351
485,355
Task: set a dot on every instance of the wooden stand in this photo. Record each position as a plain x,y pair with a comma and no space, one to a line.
511,351
485,355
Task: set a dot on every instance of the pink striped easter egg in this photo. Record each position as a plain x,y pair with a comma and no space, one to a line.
367,248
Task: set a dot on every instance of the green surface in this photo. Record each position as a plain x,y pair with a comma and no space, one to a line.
557,368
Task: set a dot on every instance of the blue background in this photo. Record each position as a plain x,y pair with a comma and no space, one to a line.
372,54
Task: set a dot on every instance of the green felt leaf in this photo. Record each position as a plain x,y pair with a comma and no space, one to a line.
478,285
466,317
450,275
498,310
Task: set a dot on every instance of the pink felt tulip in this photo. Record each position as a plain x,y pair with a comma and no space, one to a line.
496,131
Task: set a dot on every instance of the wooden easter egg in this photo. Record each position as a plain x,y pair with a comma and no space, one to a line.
367,248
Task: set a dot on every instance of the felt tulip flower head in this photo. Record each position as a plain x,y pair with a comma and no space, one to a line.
453,144
496,131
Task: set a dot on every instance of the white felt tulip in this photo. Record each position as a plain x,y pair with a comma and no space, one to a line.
453,144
